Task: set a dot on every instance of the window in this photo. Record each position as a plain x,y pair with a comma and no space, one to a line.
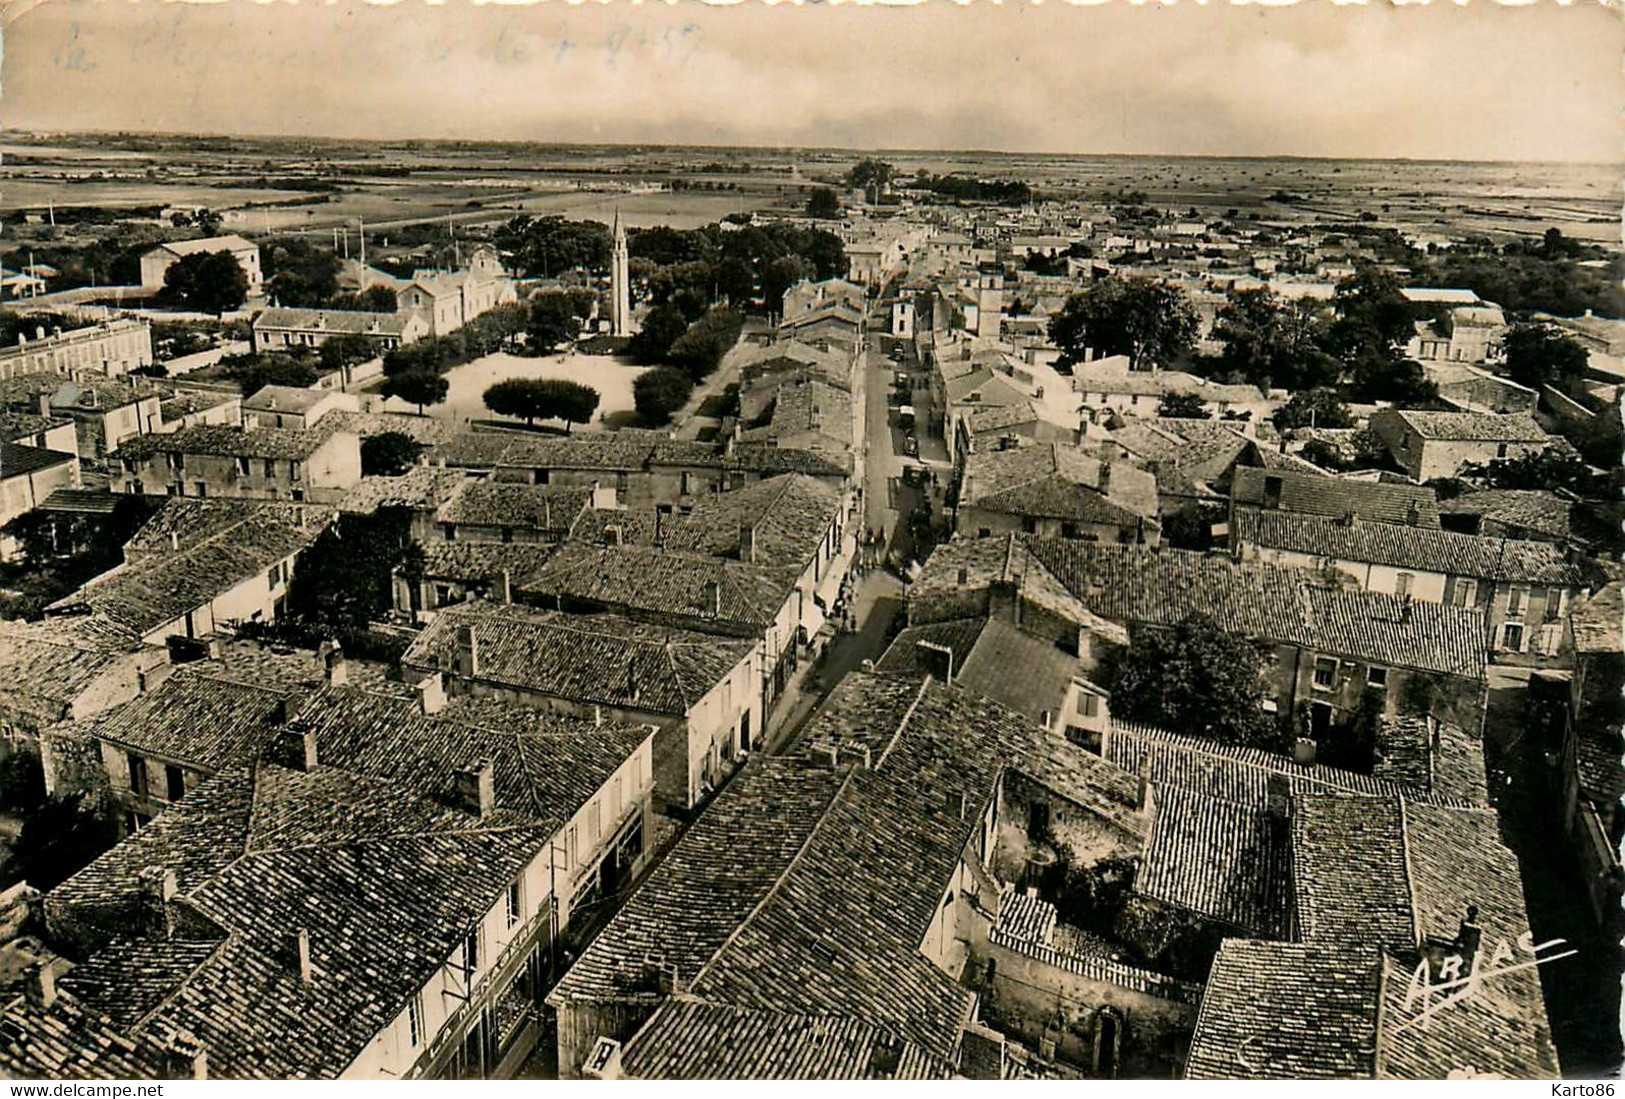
514,907
270,468
1091,705
451,531
571,856
1554,604
469,961
1402,585
1325,673
592,820
293,471
202,488
1378,678
174,782
414,1020
243,468
1464,593
507,534
1512,637
138,774
1500,450
1069,530
1517,600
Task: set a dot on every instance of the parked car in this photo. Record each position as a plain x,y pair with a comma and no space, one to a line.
911,446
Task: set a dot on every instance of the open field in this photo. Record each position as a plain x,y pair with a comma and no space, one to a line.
612,378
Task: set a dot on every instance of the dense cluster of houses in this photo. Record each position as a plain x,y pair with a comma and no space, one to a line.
570,823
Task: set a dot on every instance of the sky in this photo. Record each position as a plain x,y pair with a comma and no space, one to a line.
1476,82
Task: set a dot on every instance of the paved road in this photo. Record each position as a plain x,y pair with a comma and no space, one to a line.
1583,992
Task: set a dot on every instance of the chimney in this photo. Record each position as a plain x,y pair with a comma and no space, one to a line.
505,586
954,804
604,1062
299,749
1147,798
937,660
747,543
825,754
1303,752
712,598
299,949
40,987
476,788
174,540
468,653
1468,938
335,668
286,709
45,404
1278,797
1105,478
1413,514
157,890
184,1057
250,423
431,691
963,578
1405,609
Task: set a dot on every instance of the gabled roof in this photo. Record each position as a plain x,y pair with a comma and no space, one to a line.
160,584
231,242
45,666
351,322
546,508
1503,560
687,1039
1337,497
1057,481
656,581
597,658
21,461
1537,510
228,441
1511,427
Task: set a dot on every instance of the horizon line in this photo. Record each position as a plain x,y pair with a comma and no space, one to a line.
767,147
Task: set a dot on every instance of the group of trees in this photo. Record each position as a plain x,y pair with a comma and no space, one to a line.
252,372
210,282
546,247
301,274
1148,321
1005,192
1195,677
389,454
683,355
1546,274
532,399
823,204
694,269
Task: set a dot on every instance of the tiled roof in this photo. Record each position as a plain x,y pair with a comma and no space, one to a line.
1535,510
421,488
957,635
1512,427
1599,621
196,719
769,460
1286,1011
481,503
192,401
231,242
69,393
347,321
159,587
1057,481
284,398
21,427
691,1040
45,666
1425,754
384,881
1131,584
1028,674
1227,861
1336,497
809,405
20,461
429,430
1406,547
481,561
598,658
709,883
1349,860
790,515
486,451
657,581
224,440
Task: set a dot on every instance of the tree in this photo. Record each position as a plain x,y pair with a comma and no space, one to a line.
662,327
1270,343
872,175
533,399
251,373
1399,380
301,274
419,387
1313,408
660,392
1187,406
389,454
62,838
1195,679
344,580
553,320
700,350
1150,322
1544,469
1374,319
346,350
823,204
780,275
374,299
572,402
1537,356
211,282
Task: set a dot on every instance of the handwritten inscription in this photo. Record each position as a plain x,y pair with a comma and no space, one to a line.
1459,977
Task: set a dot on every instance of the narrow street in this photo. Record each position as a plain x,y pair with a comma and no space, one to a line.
1582,992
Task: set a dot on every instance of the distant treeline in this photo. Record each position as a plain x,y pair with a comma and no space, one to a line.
1006,192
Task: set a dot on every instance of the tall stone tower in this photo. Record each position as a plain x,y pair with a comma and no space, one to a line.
620,284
